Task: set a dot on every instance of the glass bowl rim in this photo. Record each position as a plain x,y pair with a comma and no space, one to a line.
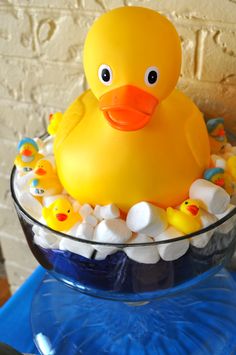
118,245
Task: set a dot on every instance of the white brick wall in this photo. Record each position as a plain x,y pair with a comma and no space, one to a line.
41,71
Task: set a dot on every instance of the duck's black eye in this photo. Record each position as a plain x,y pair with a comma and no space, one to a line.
151,76
105,74
68,211
186,202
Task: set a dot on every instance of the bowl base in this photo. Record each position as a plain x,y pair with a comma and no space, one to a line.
199,321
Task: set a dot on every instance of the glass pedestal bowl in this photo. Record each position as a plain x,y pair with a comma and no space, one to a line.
183,306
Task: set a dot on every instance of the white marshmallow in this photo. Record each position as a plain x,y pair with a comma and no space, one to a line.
215,199
73,230
143,254
85,210
76,205
30,204
45,146
92,220
233,200
109,211
82,231
201,240
218,161
111,231
45,239
85,231
48,149
227,155
228,225
96,212
22,182
147,219
171,250
101,255
40,143
76,247
48,200
228,147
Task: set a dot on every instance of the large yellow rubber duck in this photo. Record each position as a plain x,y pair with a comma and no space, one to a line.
131,137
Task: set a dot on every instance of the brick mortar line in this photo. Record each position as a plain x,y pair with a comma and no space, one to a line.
200,41
59,63
30,103
39,59
203,24
204,82
174,17
51,9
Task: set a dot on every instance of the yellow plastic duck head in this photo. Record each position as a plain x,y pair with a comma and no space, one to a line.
45,187
215,175
54,121
217,135
60,215
190,207
130,81
27,147
44,169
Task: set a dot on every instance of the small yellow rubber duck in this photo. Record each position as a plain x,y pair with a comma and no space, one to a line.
186,220
217,136
54,121
60,215
28,155
46,181
221,178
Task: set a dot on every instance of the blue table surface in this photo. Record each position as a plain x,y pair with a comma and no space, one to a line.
15,328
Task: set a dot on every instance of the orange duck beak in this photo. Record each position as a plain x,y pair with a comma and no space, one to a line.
40,171
128,108
193,209
61,217
26,152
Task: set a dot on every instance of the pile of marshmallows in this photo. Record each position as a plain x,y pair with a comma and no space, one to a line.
145,223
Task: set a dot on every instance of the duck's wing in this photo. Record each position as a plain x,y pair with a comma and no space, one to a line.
198,140
45,213
73,115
